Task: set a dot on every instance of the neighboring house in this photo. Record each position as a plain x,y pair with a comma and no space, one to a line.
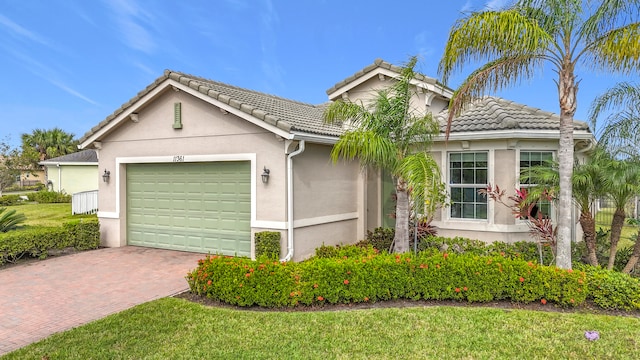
31,177
72,173
187,157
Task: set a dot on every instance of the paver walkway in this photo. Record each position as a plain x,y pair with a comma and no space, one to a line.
42,298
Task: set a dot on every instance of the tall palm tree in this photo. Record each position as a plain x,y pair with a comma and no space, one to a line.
521,39
388,134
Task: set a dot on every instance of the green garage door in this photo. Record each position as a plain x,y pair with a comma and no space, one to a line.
199,207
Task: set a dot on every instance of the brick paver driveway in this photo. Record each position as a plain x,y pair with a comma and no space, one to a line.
41,298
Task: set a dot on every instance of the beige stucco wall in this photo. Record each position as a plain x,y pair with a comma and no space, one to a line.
504,156
422,102
206,131
71,179
328,200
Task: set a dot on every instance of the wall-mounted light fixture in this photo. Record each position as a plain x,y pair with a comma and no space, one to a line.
106,175
265,175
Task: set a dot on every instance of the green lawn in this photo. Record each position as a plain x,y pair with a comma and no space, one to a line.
173,328
47,214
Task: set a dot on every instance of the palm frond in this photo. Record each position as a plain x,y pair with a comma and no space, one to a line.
617,50
489,35
423,176
369,147
493,76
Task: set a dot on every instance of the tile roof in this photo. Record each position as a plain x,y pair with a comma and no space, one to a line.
486,114
288,115
88,155
493,113
378,63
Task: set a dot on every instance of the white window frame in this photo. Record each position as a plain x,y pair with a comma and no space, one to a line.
461,185
520,185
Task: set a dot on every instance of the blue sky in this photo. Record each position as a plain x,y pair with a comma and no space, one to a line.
71,63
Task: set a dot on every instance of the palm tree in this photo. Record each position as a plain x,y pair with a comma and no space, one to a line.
587,186
521,39
387,134
620,134
620,129
43,144
622,184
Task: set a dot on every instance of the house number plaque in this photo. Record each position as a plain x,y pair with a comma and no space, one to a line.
178,158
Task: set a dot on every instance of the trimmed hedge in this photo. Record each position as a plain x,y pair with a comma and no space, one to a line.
268,244
37,242
373,276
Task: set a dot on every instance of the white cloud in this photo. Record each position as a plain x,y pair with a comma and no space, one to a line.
21,31
45,72
131,20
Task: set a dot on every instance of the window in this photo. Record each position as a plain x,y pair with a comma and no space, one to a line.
529,159
468,174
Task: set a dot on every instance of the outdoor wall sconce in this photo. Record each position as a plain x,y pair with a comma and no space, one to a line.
106,175
265,175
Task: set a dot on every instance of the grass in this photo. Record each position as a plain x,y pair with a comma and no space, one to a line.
174,328
47,214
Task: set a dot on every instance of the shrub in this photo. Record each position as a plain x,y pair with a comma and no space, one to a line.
9,200
9,220
380,238
612,290
48,197
37,242
268,244
370,276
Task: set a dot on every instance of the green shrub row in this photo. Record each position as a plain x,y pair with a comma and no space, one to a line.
36,187
37,242
375,276
48,197
9,200
381,239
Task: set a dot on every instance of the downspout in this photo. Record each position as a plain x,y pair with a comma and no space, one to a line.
290,200
59,177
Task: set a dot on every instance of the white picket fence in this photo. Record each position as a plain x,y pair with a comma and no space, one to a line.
85,202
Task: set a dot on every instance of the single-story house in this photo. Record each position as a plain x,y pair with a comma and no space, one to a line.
72,173
198,165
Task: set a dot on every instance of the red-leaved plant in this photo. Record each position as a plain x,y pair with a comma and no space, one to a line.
540,225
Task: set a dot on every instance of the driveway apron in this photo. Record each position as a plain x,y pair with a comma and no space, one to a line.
41,298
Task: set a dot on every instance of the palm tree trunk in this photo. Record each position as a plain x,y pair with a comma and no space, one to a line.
588,225
635,255
567,96
616,229
401,238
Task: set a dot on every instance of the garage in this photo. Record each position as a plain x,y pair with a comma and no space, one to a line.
199,207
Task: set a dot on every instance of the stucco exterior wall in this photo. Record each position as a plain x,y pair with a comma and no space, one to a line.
71,179
504,171
328,200
206,131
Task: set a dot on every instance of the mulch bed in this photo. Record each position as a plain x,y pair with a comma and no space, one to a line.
587,308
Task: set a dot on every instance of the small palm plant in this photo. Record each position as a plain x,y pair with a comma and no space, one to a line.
10,220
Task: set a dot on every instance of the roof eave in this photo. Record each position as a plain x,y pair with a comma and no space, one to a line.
513,134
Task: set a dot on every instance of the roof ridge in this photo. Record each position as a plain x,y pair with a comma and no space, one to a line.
380,63
168,72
